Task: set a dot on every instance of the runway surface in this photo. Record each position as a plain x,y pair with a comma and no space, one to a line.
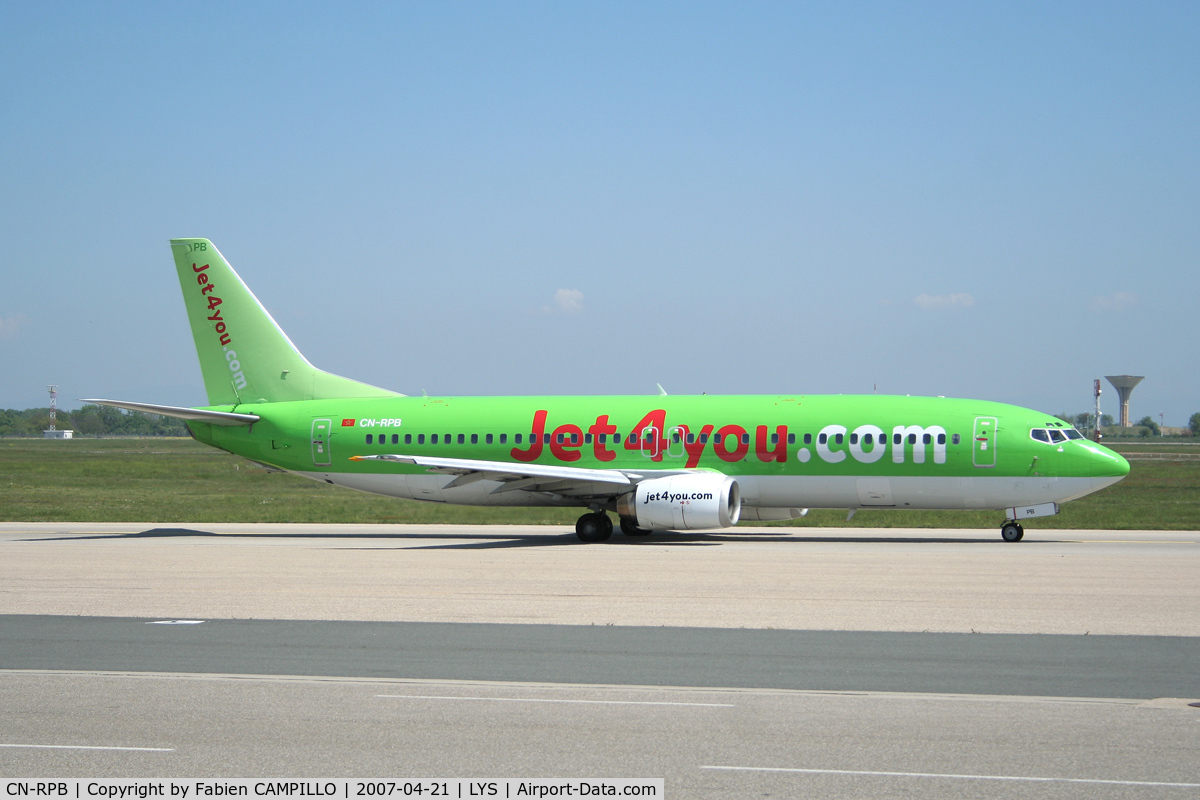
802,662
1065,582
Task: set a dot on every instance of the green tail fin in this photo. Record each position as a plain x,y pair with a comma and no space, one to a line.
244,355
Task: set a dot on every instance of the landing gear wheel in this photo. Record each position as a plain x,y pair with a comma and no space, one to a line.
629,527
594,527
1012,531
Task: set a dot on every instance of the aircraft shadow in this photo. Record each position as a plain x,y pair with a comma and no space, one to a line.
486,541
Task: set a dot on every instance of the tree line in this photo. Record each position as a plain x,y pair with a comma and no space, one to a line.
1147,424
90,420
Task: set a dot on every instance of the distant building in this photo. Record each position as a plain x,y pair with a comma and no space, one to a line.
57,434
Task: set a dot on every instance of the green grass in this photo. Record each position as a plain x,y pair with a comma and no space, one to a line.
179,480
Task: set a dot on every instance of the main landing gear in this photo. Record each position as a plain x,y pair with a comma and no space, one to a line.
1012,531
595,527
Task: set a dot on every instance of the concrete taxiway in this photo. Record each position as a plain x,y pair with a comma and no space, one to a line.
793,662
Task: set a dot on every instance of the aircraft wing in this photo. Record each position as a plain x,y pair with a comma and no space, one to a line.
227,418
564,480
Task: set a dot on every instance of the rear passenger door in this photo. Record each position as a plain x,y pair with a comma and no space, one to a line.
321,428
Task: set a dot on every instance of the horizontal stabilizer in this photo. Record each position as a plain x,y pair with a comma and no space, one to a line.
227,418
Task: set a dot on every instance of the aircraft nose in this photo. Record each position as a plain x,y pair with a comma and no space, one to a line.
1108,466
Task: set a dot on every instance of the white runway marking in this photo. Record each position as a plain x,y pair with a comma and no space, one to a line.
91,747
1029,779
175,622
542,700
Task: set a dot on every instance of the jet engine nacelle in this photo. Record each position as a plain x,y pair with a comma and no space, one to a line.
684,502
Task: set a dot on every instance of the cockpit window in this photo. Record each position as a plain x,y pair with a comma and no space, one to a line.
1053,435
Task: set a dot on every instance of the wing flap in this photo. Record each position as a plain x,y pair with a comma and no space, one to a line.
512,476
500,470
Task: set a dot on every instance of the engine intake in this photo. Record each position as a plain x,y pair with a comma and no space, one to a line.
683,502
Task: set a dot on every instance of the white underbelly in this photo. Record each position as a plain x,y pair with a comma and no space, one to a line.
767,491
993,492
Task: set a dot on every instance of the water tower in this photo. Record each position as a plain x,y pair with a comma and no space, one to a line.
1124,385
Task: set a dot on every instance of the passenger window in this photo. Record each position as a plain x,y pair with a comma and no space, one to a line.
449,439
504,438
791,438
822,439
691,437
616,438
560,438
474,438
838,438
370,439
941,438
420,438
1040,435
808,439
854,438
408,438
704,438
433,439
867,439
926,439
516,438
545,438
912,438
587,438
395,438
774,438
897,438
602,438
954,439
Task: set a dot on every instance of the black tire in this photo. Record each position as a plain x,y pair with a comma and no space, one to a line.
593,527
1012,532
629,527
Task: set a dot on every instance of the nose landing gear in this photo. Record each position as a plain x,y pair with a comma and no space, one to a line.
1012,531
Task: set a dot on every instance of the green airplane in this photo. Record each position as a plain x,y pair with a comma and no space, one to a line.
658,462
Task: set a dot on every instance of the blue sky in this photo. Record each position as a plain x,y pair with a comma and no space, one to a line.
996,201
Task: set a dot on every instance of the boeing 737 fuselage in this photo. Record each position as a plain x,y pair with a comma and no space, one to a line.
658,462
